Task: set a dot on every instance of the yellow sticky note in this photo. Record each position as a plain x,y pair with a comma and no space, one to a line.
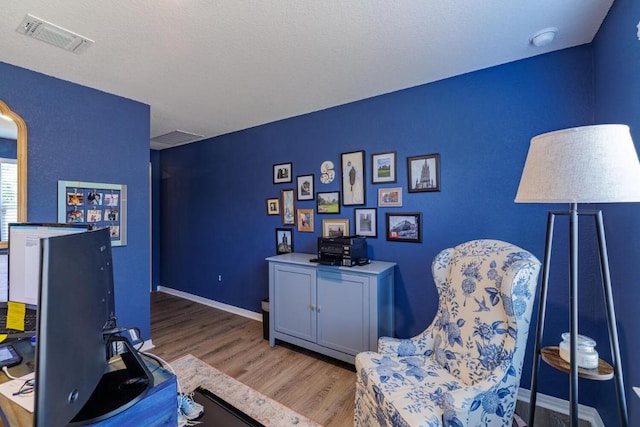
3,337
15,315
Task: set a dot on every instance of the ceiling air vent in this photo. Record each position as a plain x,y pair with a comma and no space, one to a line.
47,32
177,137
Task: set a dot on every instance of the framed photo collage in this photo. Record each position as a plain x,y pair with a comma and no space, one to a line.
423,176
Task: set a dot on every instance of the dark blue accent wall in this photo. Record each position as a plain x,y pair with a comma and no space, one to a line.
213,193
80,134
617,96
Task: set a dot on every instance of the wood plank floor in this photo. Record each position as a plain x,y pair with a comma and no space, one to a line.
318,387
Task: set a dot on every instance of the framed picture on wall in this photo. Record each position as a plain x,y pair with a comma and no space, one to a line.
404,227
366,222
353,186
305,187
284,240
383,167
288,207
282,172
328,202
424,173
96,204
335,227
390,197
305,220
273,206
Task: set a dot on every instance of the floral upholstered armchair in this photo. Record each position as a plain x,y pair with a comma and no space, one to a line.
464,369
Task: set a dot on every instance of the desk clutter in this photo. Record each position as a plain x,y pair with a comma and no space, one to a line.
17,319
157,406
20,391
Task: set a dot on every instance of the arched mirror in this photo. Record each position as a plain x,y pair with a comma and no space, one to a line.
13,171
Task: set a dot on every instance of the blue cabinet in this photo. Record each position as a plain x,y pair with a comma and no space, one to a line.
294,287
337,311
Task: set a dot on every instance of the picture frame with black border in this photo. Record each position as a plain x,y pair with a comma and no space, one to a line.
390,197
383,167
335,227
284,240
305,220
353,178
288,206
305,187
365,222
423,173
328,202
404,227
273,206
282,173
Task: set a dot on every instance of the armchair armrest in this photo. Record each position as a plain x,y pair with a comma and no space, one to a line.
389,345
415,346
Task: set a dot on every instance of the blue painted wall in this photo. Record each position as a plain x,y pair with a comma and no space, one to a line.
617,95
213,213
80,134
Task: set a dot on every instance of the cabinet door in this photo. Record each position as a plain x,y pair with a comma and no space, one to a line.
294,306
343,311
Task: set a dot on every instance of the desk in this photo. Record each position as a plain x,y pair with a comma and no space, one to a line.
157,408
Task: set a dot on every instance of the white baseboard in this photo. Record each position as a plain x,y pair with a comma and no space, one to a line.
211,303
561,406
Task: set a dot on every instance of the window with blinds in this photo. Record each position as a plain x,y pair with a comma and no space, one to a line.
8,196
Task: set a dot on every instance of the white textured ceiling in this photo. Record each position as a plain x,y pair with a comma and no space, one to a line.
214,67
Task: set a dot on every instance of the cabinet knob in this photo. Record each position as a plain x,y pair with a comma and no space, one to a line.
311,306
318,308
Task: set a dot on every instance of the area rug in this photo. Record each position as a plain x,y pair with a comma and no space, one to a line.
193,372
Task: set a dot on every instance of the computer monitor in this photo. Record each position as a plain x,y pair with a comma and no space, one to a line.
24,257
76,323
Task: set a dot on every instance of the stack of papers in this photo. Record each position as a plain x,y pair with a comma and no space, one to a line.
26,400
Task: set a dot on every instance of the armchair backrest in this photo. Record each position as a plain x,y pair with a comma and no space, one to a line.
486,291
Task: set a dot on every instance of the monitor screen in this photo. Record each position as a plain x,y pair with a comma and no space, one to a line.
24,257
76,304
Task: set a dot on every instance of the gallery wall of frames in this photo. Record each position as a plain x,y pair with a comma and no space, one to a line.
423,176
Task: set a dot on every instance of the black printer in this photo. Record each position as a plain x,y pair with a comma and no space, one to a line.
346,251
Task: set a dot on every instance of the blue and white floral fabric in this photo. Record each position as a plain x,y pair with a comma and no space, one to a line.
464,369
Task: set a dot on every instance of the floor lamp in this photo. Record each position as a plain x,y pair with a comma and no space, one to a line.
589,164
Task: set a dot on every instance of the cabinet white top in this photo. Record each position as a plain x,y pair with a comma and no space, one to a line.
375,267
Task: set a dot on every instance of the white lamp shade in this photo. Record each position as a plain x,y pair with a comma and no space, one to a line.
588,164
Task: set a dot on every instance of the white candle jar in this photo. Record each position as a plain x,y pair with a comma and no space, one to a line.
587,356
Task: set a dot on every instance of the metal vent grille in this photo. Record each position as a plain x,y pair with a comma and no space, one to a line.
176,137
47,32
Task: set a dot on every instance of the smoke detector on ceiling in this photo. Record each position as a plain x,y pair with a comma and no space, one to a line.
543,37
47,32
